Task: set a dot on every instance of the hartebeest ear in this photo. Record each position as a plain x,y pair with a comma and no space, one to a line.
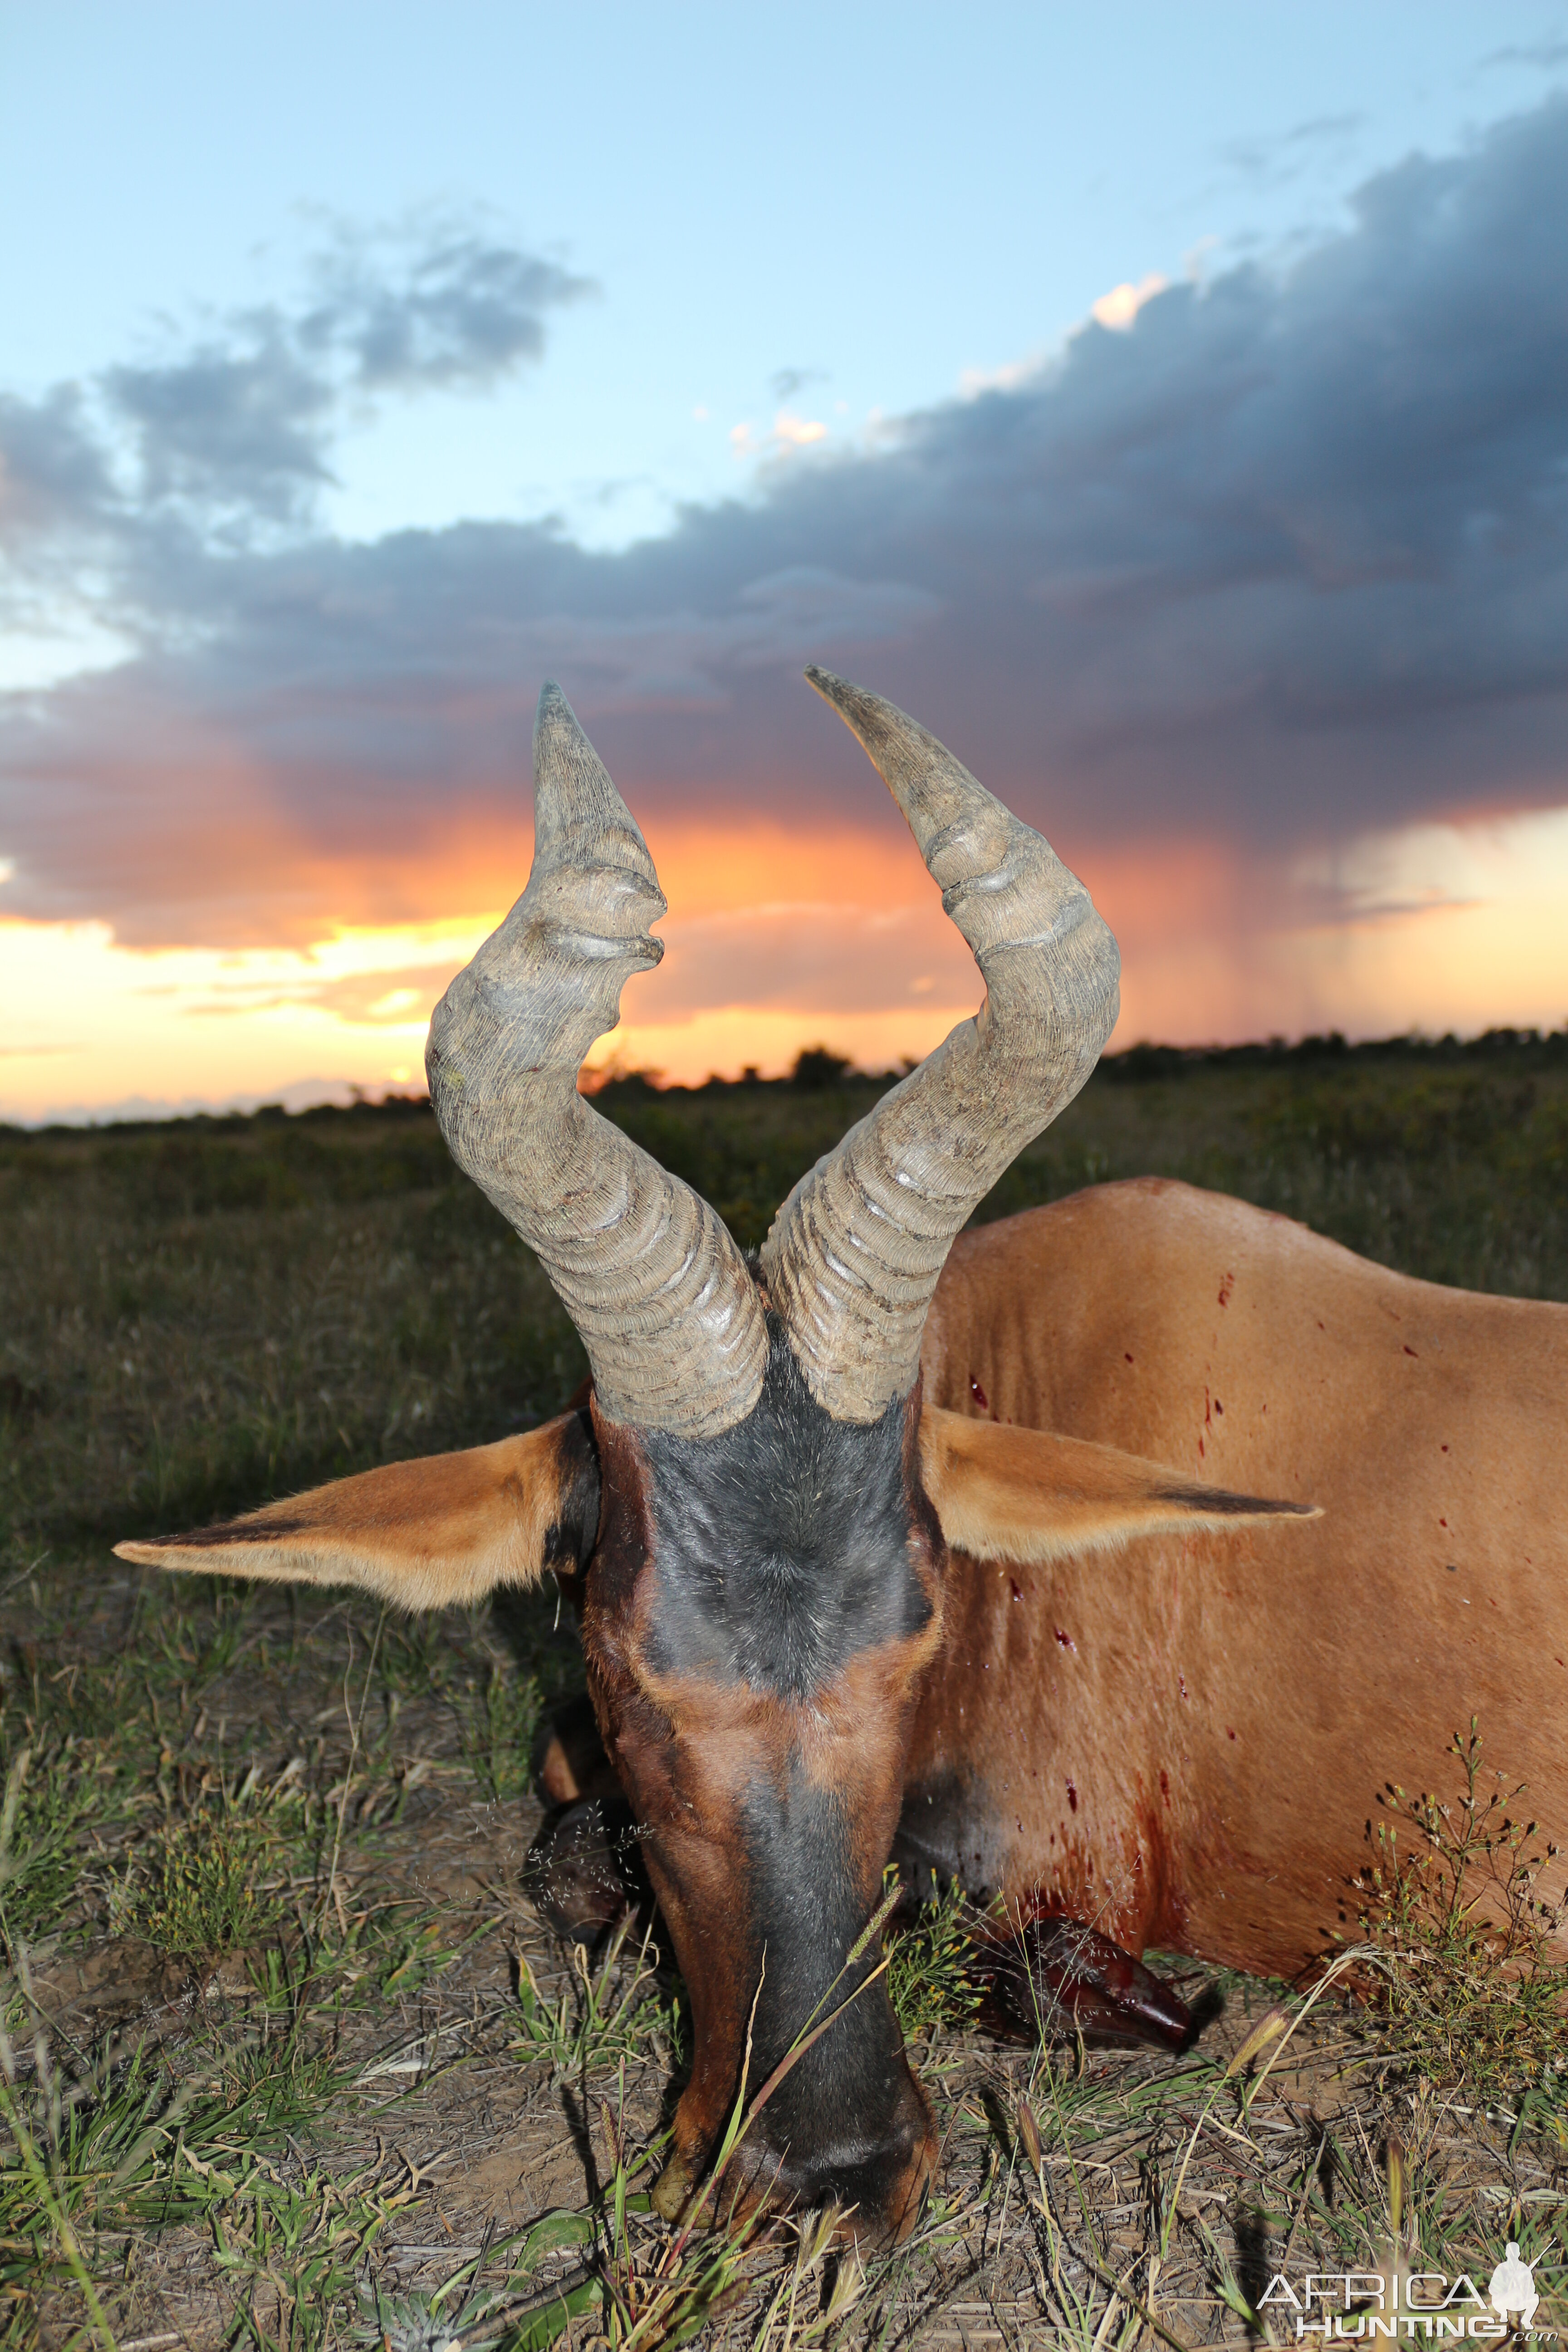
418,1534
1027,1495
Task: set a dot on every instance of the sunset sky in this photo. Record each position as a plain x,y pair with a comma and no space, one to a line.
1166,406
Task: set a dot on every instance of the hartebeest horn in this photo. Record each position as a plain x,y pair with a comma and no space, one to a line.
854,1253
666,1310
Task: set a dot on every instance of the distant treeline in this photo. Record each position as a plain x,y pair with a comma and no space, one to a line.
1547,1049
816,1069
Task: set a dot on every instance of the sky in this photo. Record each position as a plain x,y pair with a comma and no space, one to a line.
1165,407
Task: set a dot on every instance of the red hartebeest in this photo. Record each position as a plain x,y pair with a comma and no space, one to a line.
878,1548
1222,1709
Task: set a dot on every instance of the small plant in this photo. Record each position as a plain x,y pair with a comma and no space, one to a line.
929,1982
485,2313
1463,1934
202,1888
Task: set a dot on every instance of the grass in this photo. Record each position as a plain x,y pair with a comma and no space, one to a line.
1464,1937
929,1982
604,2014
199,1888
288,2059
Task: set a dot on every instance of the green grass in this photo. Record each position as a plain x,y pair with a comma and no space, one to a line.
199,1888
279,1839
1463,1935
603,2012
929,1982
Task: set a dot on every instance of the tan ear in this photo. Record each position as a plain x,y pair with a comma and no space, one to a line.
1027,1495
418,1534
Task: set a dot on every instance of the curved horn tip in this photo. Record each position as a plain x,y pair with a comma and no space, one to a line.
890,738
844,695
558,731
578,812
553,709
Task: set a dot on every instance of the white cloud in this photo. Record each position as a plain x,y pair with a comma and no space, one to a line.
1418,869
788,431
797,432
1117,309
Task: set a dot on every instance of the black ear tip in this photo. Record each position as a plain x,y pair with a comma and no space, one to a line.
1221,1503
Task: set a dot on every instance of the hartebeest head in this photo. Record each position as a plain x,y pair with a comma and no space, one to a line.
753,1511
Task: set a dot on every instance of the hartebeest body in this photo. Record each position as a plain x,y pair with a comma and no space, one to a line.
1184,1743
830,1603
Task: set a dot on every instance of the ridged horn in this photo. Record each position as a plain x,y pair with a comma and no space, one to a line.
854,1254
667,1312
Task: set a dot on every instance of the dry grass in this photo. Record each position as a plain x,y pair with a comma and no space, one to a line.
289,2058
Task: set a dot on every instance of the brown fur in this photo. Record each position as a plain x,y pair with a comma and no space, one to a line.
1226,1704
1030,1495
678,1791
421,1535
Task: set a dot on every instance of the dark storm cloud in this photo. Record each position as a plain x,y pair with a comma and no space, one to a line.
52,469
1287,559
465,313
222,425
238,424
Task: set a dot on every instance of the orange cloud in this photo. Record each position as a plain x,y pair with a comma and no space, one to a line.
779,938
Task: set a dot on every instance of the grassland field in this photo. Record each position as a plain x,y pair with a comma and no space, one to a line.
289,2057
